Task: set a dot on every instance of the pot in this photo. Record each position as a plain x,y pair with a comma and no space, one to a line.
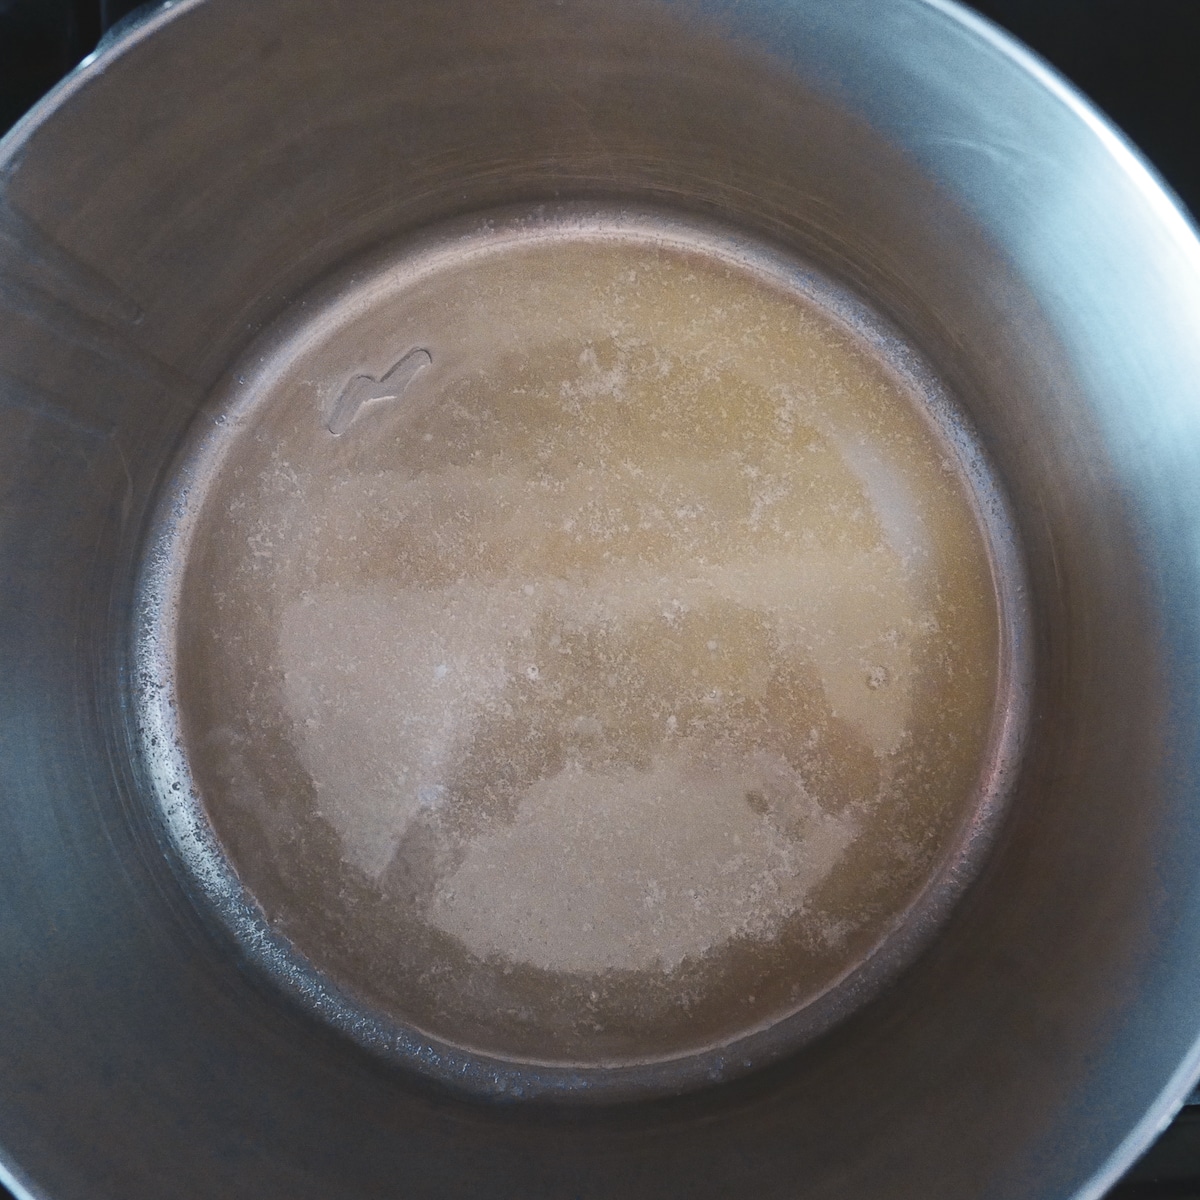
205,171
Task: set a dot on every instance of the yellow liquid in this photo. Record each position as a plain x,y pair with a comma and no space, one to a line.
613,689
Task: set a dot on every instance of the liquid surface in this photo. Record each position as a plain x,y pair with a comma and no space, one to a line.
587,650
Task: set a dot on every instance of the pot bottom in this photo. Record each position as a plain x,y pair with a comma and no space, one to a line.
579,649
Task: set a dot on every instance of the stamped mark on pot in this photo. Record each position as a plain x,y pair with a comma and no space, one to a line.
365,389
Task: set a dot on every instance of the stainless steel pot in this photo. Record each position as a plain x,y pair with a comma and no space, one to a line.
173,195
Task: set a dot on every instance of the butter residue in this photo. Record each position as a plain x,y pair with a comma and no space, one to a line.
646,624
641,868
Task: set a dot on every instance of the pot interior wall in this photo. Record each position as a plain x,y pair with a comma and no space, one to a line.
178,192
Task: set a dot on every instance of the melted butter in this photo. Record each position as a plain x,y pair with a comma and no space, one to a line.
616,686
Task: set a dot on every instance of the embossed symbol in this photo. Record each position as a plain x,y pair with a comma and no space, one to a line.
364,389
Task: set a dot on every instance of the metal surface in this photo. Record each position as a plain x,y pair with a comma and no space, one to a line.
178,191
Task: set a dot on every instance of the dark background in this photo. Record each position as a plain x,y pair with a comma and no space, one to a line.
1138,60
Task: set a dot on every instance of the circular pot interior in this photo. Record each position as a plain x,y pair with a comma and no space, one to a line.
200,178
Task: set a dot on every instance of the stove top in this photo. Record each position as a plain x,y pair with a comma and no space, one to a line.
1136,59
